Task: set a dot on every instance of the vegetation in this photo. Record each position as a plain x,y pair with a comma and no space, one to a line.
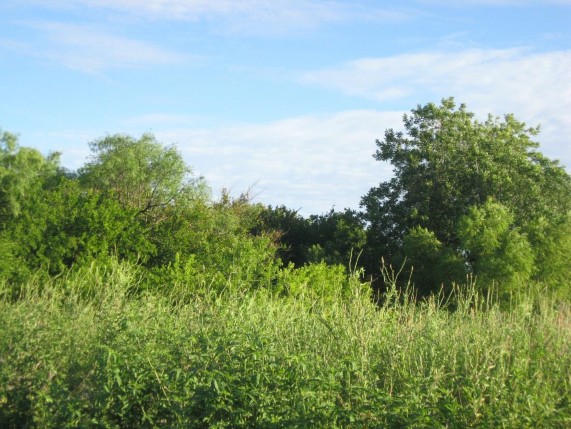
130,297
91,349
473,198
333,237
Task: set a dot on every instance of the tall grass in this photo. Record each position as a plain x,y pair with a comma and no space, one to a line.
89,350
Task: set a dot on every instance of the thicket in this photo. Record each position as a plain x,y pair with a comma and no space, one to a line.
136,201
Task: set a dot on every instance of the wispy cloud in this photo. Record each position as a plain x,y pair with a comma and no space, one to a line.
243,16
159,120
535,86
522,3
309,162
92,49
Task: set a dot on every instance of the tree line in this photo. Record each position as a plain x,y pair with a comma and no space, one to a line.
467,198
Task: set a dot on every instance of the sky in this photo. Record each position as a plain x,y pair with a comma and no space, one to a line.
284,98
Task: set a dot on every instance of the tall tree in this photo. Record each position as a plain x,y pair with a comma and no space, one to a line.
446,162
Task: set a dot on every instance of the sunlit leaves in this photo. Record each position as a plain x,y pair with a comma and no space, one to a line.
496,250
447,164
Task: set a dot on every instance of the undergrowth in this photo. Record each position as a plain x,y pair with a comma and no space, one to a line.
94,350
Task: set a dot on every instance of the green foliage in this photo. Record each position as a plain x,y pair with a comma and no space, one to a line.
134,201
430,264
445,163
246,264
291,230
497,251
551,242
67,225
13,267
318,281
334,237
142,174
112,358
208,246
128,297
22,172
340,235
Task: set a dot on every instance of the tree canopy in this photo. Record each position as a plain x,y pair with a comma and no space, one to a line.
142,174
449,166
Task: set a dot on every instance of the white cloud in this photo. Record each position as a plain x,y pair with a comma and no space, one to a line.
456,3
534,86
243,16
93,49
312,162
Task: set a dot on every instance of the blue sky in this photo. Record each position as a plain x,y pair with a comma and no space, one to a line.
284,96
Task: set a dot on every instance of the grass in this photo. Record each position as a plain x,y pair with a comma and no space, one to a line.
90,351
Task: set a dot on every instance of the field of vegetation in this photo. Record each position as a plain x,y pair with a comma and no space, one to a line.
130,297
92,350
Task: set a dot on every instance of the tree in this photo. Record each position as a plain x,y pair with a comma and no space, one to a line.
496,251
428,263
135,201
208,243
333,237
338,237
24,174
66,225
141,174
551,243
446,162
291,230
22,171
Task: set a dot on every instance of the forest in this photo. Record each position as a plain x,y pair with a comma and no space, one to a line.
130,296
